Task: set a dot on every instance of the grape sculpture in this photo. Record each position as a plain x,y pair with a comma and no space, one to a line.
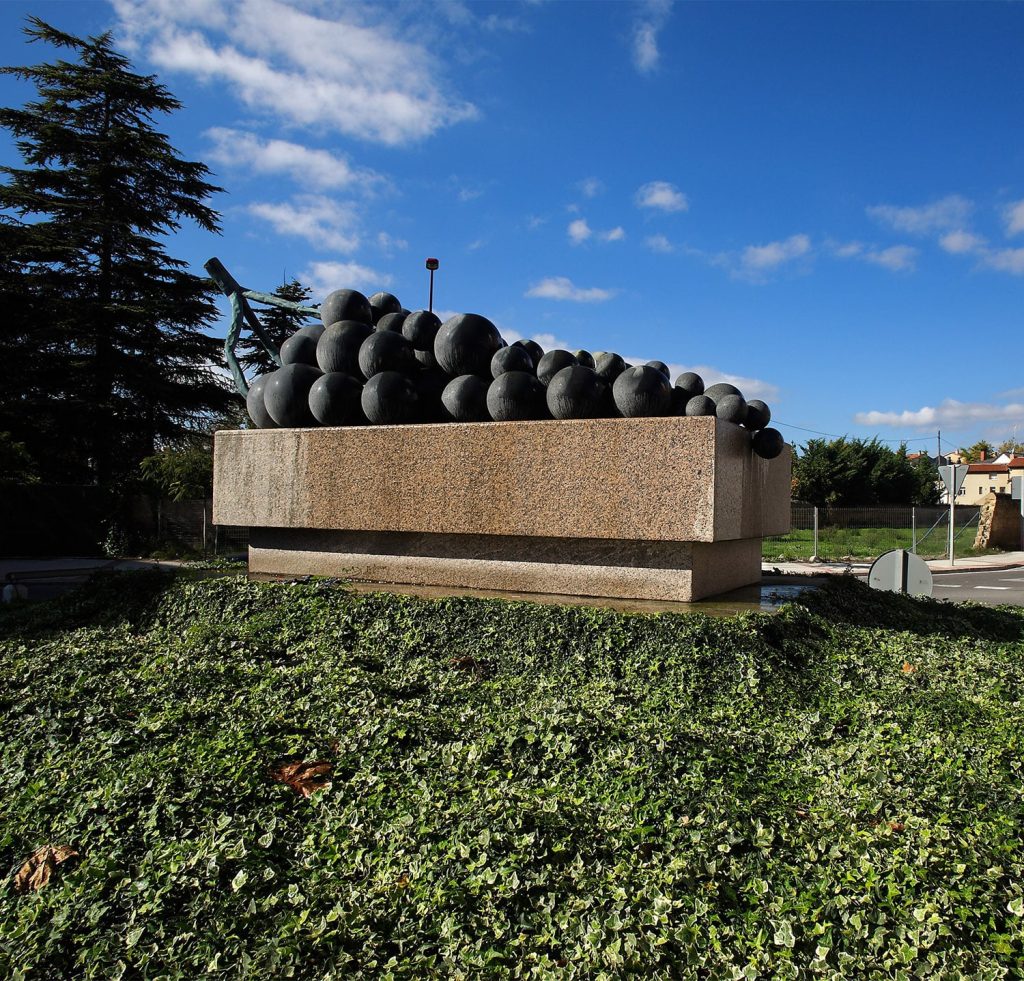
372,361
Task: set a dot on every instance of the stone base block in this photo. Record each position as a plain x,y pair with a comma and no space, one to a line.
619,569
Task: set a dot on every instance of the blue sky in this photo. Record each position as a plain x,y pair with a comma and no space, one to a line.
825,201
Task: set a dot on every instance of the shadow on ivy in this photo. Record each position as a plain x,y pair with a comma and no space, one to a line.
849,600
104,600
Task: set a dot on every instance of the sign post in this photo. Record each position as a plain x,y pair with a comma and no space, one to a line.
1017,492
953,477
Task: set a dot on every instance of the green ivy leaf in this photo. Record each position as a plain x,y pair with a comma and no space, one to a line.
783,934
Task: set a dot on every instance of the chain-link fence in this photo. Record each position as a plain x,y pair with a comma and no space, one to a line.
188,525
837,534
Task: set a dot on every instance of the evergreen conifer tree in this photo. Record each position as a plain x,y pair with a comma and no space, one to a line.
279,324
105,326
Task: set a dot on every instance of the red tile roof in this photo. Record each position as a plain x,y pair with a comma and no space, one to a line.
988,468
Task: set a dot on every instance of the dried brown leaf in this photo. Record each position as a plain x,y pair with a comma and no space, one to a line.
897,825
38,869
303,776
908,668
478,666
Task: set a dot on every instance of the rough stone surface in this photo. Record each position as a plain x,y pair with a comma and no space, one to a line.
669,509
681,571
668,479
999,522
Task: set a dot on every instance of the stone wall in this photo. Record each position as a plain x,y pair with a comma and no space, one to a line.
999,522
650,508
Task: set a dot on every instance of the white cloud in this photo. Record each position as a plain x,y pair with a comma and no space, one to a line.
658,243
1013,213
388,244
847,250
324,277
946,214
896,258
476,245
494,23
1006,260
759,258
661,195
323,222
346,70
469,194
949,413
579,231
307,166
960,242
590,187
562,288
651,19
535,221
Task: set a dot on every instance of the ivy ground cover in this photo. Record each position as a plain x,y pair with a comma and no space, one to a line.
287,780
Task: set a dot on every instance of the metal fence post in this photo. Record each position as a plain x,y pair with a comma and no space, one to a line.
952,506
814,556
913,530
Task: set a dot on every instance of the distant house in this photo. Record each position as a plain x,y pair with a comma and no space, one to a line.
984,478
938,461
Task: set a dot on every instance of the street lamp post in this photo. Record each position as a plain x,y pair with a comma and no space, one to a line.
432,264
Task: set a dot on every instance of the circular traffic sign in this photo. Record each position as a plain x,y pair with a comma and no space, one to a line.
900,571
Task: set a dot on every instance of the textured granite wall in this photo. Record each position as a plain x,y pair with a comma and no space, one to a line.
681,571
674,479
663,509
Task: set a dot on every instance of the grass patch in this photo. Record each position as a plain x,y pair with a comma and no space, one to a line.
516,789
865,543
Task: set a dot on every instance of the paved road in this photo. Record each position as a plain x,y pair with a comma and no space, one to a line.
48,578
994,588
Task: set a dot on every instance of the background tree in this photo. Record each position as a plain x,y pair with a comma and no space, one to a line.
926,473
280,324
1011,447
857,472
16,465
181,473
973,452
108,328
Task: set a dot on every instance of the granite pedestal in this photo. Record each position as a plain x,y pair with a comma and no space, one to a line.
661,509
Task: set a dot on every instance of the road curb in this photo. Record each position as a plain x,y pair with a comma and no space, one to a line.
861,572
